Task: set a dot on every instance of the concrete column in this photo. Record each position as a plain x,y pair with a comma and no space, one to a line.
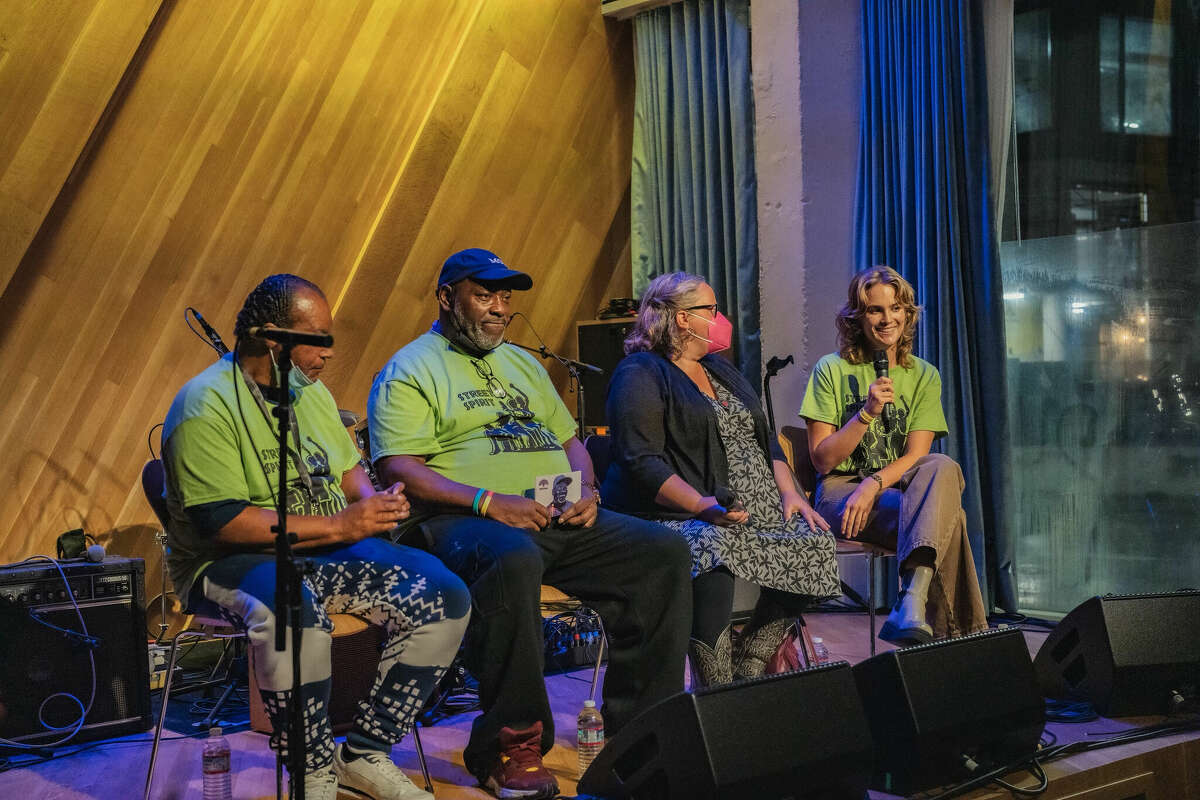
805,58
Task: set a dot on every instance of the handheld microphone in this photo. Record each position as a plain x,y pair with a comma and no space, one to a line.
726,497
292,337
211,333
888,416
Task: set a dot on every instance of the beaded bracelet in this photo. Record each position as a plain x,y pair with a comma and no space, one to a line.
487,501
475,503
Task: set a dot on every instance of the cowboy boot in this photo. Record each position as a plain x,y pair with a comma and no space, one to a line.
906,624
756,646
711,666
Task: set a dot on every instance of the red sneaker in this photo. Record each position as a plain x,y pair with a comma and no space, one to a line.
519,771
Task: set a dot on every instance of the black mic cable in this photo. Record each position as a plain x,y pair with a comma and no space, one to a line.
214,338
86,640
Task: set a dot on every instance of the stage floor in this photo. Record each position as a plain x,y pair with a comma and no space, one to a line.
117,769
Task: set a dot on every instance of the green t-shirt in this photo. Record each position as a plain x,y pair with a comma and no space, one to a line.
218,446
432,400
837,390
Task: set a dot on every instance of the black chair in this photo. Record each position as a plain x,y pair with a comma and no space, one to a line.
196,626
795,445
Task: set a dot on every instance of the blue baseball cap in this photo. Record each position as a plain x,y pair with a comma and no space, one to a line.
482,265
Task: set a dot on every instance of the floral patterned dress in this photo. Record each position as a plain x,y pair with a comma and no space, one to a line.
766,550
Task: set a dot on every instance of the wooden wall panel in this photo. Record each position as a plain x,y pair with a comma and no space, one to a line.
355,142
60,63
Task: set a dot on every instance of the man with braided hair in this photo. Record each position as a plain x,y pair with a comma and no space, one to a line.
221,455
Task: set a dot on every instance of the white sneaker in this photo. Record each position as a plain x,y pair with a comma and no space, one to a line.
373,775
320,785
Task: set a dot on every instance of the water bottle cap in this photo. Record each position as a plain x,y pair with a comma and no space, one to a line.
214,732
589,703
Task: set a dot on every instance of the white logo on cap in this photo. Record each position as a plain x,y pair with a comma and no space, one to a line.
495,261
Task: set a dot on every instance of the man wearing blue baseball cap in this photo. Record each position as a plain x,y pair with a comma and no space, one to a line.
468,424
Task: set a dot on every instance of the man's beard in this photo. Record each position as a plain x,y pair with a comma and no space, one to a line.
472,334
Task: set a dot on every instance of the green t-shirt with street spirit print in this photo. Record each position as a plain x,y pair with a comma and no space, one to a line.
218,445
432,400
837,390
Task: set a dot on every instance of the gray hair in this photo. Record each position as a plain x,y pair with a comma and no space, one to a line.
656,329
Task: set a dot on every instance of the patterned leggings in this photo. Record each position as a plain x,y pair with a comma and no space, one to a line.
422,607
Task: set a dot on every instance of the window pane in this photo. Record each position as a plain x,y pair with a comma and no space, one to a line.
1104,399
1111,106
1135,53
1147,77
1102,307
1031,70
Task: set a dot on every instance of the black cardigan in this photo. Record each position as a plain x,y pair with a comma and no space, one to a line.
662,424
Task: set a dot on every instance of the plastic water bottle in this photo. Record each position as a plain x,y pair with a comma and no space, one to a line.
589,734
216,766
820,651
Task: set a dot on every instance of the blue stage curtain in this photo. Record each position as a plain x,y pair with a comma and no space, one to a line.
693,187
922,207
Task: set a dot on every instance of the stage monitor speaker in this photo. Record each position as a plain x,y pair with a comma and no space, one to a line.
43,651
933,707
800,735
601,342
1126,654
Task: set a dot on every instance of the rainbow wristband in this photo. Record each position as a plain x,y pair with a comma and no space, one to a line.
487,501
475,503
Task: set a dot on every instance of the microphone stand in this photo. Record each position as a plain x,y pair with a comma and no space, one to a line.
289,576
773,367
574,367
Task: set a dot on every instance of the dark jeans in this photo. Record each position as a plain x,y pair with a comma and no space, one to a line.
633,572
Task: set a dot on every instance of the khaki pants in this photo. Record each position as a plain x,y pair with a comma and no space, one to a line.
923,509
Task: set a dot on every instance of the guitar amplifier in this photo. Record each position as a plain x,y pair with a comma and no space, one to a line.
46,674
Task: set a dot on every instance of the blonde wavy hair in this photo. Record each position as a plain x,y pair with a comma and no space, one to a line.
656,329
852,341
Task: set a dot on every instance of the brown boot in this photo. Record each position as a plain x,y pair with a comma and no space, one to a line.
756,646
518,770
711,666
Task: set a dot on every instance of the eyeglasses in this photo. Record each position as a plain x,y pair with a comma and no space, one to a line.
712,308
489,378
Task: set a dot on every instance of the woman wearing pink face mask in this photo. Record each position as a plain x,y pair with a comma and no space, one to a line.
692,448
